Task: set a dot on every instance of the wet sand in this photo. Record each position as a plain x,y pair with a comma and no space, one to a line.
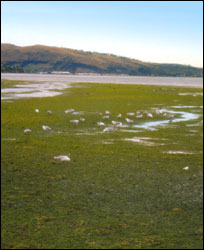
146,80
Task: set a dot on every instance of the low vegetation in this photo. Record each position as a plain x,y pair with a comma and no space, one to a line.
113,193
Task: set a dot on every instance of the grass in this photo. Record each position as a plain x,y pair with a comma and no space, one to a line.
122,195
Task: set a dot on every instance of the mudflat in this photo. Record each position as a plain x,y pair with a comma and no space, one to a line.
166,81
127,185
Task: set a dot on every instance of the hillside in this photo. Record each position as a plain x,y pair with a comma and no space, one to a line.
40,58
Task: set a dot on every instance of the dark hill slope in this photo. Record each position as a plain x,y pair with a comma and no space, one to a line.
44,58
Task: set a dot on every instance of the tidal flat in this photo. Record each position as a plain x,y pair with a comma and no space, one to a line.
133,187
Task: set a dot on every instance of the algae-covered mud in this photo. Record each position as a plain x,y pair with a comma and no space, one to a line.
134,178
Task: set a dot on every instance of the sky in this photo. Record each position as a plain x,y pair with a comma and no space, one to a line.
150,31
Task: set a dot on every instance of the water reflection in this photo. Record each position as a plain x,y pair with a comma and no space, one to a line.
184,116
44,89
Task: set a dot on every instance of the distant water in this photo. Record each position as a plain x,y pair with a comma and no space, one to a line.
147,80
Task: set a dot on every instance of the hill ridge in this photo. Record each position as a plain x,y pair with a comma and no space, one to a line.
43,58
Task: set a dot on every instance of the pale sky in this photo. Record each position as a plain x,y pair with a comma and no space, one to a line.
150,31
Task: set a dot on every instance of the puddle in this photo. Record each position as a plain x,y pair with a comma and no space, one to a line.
180,106
200,123
130,130
179,152
139,140
184,116
144,141
5,100
30,90
193,131
93,131
89,133
8,139
78,113
151,125
62,132
193,94
31,95
107,142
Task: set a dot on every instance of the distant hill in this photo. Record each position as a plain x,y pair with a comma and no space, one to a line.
40,58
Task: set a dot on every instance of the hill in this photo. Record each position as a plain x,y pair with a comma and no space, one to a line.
40,58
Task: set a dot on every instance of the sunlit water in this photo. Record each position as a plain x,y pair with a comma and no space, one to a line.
28,90
184,116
